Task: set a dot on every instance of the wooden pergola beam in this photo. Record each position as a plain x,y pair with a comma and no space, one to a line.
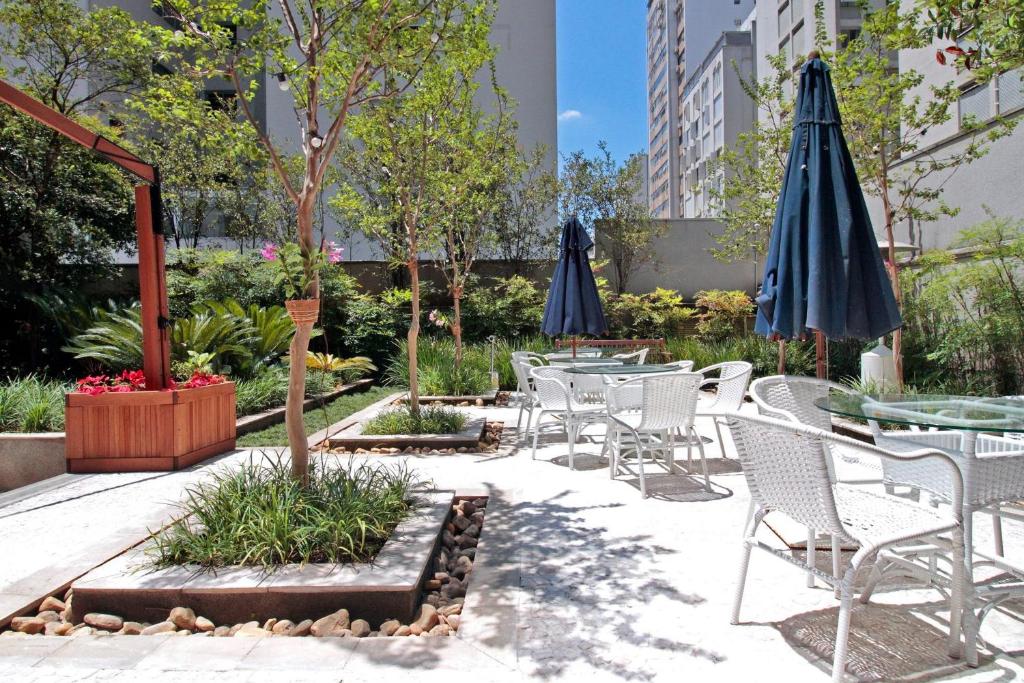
156,348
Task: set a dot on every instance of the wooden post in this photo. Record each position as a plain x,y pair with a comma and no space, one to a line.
819,355
782,357
156,347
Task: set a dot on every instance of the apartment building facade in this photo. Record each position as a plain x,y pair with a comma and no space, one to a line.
680,34
524,33
715,111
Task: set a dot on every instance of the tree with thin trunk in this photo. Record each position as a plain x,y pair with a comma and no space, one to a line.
479,157
335,58
607,198
408,137
524,223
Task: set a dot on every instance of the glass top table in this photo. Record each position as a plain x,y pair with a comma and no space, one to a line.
568,351
603,369
963,413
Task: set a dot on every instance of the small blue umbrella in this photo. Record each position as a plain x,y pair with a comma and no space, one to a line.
823,272
573,306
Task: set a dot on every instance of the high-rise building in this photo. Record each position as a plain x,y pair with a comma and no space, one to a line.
680,34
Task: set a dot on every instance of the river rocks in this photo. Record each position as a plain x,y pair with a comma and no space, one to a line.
360,628
204,625
426,618
183,618
49,616
389,627
330,625
251,630
57,628
131,628
29,625
281,627
156,629
106,622
52,604
222,632
302,628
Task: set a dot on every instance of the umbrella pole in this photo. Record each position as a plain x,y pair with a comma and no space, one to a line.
819,354
782,357
574,347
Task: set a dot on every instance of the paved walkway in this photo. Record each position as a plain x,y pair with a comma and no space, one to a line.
577,579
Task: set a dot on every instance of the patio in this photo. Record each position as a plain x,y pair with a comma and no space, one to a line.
578,577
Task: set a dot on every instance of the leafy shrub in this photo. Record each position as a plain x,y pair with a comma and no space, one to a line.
401,420
660,313
758,351
227,337
375,322
723,312
260,515
438,374
265,390
32,404
507,308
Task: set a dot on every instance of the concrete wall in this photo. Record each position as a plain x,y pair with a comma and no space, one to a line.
28,458
680,259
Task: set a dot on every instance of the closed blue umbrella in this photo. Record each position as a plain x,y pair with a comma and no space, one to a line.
573,306
823,272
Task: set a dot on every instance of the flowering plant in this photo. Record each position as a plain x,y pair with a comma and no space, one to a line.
295,271
439,319
134,380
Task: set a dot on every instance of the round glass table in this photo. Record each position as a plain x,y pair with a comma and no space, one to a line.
962,413
621,369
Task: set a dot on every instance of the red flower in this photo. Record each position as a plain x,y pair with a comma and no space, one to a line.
202,379
93,379
136,378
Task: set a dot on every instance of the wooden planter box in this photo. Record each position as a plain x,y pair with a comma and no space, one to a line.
148,430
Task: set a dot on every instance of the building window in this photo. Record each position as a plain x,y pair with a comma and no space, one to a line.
717,112
716,78
719,135
220,100
976,104
1011,90
784,20
798,40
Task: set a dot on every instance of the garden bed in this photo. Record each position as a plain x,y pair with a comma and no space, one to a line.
259,421
435,552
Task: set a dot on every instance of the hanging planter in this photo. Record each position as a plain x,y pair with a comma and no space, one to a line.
303,311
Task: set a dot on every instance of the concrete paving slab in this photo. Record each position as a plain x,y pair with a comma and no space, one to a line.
196,654
101,652
300,654
28,650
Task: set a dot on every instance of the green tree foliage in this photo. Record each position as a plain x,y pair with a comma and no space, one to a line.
413,140
608,199
524,229
986,36
965,316
63,211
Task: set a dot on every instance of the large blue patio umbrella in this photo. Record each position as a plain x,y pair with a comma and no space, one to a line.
573,306
823,273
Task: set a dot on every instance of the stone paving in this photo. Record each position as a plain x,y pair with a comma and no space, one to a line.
577,579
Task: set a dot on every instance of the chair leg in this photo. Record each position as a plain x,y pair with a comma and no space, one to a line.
536,434
997,532
612,441
718,431
519,420
956,598
837,551
753,519
812,548
843,628
571,429
703,460
640,465
970,619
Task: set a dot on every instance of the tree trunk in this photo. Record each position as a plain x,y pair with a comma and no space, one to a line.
294,424
897,290
457,324
414,334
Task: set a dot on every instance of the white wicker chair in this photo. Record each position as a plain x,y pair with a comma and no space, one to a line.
730,389
785,467
681,365
552,387
665,405
791,397
634,358
521,365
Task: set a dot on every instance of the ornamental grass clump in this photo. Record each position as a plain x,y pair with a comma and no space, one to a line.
430,420
259,515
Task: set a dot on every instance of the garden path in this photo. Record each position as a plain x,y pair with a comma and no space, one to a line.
577,578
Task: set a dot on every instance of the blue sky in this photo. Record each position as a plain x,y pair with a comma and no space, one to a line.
601,63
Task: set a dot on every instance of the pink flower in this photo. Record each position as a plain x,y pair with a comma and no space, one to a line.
269,251
334,252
